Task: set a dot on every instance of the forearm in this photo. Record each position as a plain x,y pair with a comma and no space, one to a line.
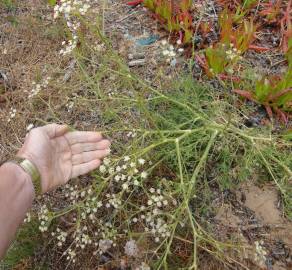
16,196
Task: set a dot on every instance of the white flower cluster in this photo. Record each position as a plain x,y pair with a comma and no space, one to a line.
44,219
113,201
90,209
104,245
12,114
72,193
85,236
102,238
90,203
94,211
70,104
70,8
127,172
229,54
233,53
131,134
71,255
61,237
71,44
106,234
233,56
158,228
170,53
154,224
37,87
157,198
82,238
27,218
260,255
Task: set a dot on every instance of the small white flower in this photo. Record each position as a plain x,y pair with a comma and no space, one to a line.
165,52
106,161
164,42
117,178
132,164
172,54
141,161
136,182
125,186
165,202
126,158
102,169
144,175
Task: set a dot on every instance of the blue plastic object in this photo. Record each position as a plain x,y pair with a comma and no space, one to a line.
147,41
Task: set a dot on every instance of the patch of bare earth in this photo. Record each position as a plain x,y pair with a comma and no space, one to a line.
253,214
29,44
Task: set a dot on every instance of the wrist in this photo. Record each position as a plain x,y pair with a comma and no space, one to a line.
29,167
20,176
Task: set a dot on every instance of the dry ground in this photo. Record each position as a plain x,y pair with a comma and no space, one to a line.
29,46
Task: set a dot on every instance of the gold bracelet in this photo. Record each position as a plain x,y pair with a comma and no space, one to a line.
32,170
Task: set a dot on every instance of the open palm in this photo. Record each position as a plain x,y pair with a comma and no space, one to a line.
61,155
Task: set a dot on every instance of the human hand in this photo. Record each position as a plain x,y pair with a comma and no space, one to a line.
60,155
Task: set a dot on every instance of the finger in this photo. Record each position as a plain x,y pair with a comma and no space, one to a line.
89,156
78,148
83,137
55,130
85,168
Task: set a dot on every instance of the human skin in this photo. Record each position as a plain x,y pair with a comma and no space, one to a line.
59,155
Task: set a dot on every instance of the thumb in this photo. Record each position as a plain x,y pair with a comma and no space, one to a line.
55,130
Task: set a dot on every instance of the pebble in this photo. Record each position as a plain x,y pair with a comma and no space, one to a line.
133,56
139,62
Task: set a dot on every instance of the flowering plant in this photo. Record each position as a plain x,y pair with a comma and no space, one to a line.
221,58
274,92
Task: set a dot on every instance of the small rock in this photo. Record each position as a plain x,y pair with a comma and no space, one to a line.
139,62
133,56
